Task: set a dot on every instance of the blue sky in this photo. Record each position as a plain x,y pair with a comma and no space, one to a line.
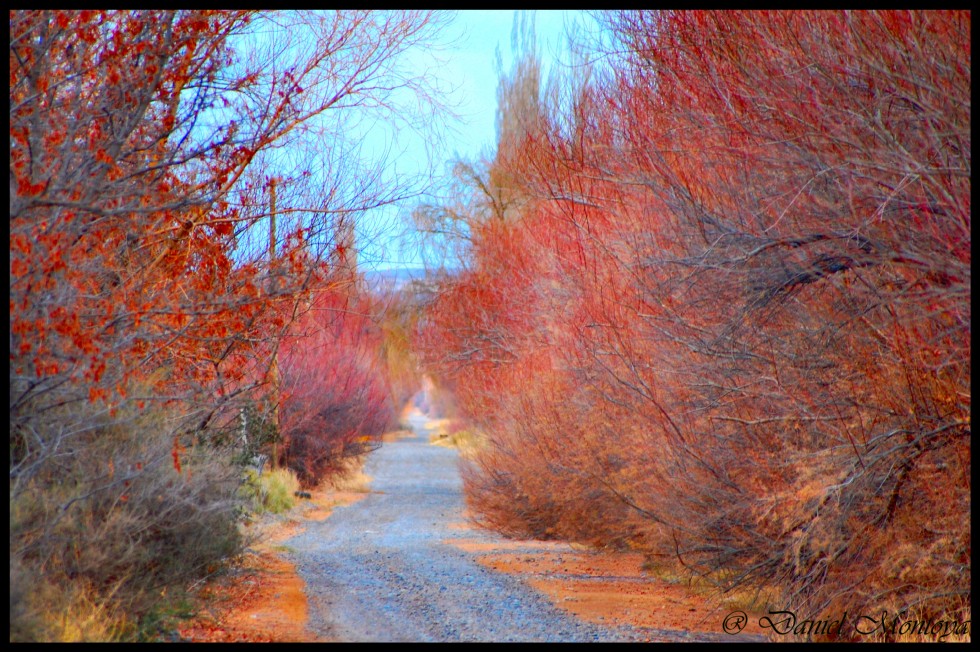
471,65
465,62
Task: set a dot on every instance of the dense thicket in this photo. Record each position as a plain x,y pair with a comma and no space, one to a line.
727,318
336,397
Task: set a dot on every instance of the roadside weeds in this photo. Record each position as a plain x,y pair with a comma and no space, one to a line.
262,597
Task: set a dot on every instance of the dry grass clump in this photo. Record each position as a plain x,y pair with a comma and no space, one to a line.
105,535
272,492
350,476
439,428
455,433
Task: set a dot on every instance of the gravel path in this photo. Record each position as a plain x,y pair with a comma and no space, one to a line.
377,570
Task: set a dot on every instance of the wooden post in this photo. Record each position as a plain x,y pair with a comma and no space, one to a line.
274,368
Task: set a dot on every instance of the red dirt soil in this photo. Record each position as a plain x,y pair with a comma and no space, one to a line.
262,599
608,588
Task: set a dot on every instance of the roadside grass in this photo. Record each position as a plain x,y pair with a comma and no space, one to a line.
106,535
452,433
271,492
742,598
439,429
350,477
275,517
58,614
760,600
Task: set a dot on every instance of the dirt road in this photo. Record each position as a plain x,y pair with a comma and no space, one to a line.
382,569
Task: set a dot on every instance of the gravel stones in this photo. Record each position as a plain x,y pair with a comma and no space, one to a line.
378,570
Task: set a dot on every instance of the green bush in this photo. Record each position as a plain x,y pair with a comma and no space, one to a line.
271,492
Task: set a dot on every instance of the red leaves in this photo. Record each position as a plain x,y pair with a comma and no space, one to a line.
26,188
19,243
222,227
128,289
95,393
102,156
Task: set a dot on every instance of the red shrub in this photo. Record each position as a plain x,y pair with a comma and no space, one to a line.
335,394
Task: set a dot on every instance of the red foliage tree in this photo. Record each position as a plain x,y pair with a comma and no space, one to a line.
145,312
751,239
140,148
